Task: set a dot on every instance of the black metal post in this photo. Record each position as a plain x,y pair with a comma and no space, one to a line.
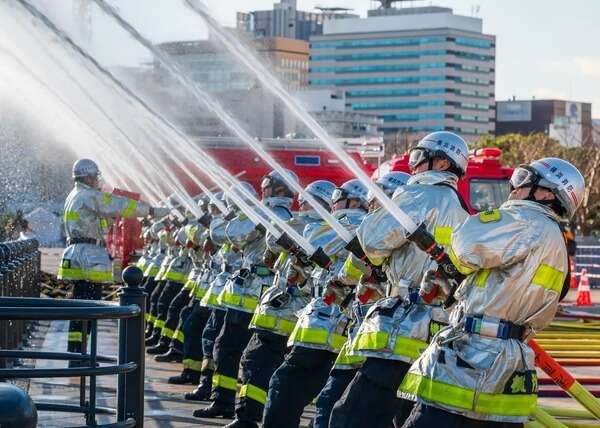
130,388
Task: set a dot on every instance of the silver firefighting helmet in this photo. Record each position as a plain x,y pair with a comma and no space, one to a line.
321,190
219,196
85,168
442,144
202,202
351,189
389,183
238,191
556,175
276,182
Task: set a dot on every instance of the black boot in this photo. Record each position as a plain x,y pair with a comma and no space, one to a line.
158,349
172,356
215,410
149,332
201,393
241,424
187,377
153,340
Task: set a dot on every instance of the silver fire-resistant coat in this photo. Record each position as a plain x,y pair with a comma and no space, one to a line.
153,265
88,214
194,232
181,265
244,289
227,260
323,326
280,304
394,328
517,261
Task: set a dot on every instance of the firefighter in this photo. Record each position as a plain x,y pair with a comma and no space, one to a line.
181,305
224,262
87,214
152,267
320,330
160,266
170,301
188,336
351,274
275,316
479,371
242,293
397,328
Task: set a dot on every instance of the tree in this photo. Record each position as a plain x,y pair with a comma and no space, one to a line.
519,149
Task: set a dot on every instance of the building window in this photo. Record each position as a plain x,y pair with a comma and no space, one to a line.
412,117
395,92
376,80
307,160
402,105
477,43
369,43
400,55
378,68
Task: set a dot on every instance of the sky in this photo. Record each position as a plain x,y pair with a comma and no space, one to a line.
544,48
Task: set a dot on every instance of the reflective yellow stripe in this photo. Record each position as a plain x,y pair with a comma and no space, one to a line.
167,332
83,274
282,258
147,317
489,216
175,276
107,198
178,335
237,300
151,271
352,271
371,341
254,392
270,322
71,216
348,360
481,278
210,299
310,335
548,277
158,323
189,284
151,318
225,382
103,223
462,398
409,347
129,210
191,233
443,235
337,341
465,270
75,336
194,365
200,292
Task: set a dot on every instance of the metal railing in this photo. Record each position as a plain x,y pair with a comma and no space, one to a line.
130,363
19,277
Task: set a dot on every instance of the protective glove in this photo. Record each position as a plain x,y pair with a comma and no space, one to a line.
434,287
159,212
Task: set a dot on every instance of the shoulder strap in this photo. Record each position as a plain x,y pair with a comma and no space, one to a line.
462,202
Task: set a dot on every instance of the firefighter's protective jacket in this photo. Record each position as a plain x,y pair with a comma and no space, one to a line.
395,328
517,262
323,326
280,304
243,290
87,216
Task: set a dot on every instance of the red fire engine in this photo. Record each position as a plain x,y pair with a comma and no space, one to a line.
484,187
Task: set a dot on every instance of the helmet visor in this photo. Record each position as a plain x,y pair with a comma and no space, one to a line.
339,194
417,156
523,177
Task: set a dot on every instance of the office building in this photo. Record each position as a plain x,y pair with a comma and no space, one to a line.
285,20
420,69
568,122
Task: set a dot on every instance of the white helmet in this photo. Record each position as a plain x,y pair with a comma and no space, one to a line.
351,189
219,196
557,175
275,180
442,144
322,190
390,182
237,189
85,168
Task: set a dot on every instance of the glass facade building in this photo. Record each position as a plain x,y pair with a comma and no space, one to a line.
418,69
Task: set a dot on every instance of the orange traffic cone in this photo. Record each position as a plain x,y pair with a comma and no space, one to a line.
573,270
583,291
